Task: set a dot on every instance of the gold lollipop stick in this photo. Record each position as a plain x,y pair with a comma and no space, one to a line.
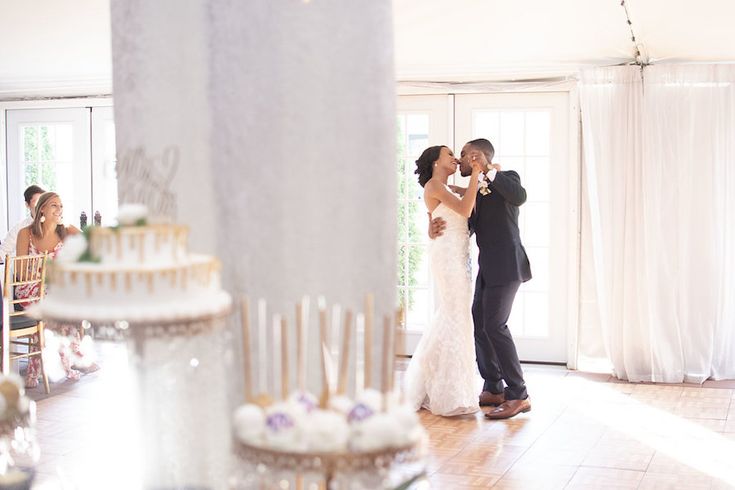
246,353
344,355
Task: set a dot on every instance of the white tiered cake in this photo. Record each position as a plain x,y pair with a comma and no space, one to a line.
137,273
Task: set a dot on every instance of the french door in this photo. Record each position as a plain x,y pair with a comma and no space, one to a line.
422,121
66,150
530,133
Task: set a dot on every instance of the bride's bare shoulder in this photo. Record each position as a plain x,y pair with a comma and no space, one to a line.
435,188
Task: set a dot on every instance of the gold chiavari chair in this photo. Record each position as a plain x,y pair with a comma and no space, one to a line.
19,329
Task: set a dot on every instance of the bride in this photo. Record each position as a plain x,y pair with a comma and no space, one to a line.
441,374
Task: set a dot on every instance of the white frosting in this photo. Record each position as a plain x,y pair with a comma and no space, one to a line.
131,213
134,245
326,432
284,424
249,423
376,432
74,247
411,429
341,404
303,401
374,399
145,275
293,426
214,303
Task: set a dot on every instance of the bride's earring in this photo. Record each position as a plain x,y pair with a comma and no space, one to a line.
43,218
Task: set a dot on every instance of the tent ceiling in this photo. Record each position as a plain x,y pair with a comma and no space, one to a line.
45,45
500,39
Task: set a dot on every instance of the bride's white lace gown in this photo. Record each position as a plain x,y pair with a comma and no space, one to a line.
441,375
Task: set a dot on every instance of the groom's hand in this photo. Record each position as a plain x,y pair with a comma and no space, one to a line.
436,227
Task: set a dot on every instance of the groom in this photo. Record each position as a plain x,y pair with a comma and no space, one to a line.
503,267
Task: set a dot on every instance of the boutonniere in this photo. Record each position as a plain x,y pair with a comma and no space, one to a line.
483,187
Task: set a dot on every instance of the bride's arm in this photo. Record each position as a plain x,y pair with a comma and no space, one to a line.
463,206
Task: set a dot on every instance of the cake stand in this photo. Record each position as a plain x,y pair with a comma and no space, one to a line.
176,390
333,468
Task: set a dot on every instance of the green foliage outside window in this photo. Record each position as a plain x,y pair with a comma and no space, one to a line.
409,257
39,166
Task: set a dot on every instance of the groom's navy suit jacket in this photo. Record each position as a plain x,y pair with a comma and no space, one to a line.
495,223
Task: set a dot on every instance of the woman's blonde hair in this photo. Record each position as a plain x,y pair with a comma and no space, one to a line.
37,225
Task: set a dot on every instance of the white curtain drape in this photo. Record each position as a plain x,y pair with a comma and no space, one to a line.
658,152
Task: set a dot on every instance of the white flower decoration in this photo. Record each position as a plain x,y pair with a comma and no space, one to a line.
74,247
131,214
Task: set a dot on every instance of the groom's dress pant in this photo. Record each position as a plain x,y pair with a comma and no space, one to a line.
497,357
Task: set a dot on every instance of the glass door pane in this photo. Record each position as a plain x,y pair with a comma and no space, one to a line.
422,122
530,136
104,175
50,148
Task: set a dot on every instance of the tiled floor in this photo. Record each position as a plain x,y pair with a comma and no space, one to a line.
586,431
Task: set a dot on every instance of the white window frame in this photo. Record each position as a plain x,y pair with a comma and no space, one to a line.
70,103
575,176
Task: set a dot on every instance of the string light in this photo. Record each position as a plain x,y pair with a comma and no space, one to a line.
638,56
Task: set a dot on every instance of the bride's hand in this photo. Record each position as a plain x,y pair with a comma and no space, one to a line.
477,161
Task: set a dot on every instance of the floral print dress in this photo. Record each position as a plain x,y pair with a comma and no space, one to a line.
69,348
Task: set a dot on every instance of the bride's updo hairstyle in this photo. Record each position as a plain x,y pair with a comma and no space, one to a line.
425,163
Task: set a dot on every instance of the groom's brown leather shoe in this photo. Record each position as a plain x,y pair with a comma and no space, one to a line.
508,409
489,399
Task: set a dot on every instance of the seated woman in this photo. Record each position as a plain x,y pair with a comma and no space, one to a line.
46,235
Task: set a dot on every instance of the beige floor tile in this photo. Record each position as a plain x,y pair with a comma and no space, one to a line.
441,480
640,389
723,383
519,431
707,392
661,463
705,402
597,377
626,457
549,456
604,478
655,481
699,412
492,460
527,485
536,477
713,425
620,386
723,485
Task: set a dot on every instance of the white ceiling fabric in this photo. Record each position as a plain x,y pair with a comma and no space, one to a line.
524,39
63,48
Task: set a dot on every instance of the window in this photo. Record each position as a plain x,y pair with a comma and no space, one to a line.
413,268
530,132
66,150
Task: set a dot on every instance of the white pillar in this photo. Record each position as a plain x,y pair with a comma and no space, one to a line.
162,112
303,148
283,116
